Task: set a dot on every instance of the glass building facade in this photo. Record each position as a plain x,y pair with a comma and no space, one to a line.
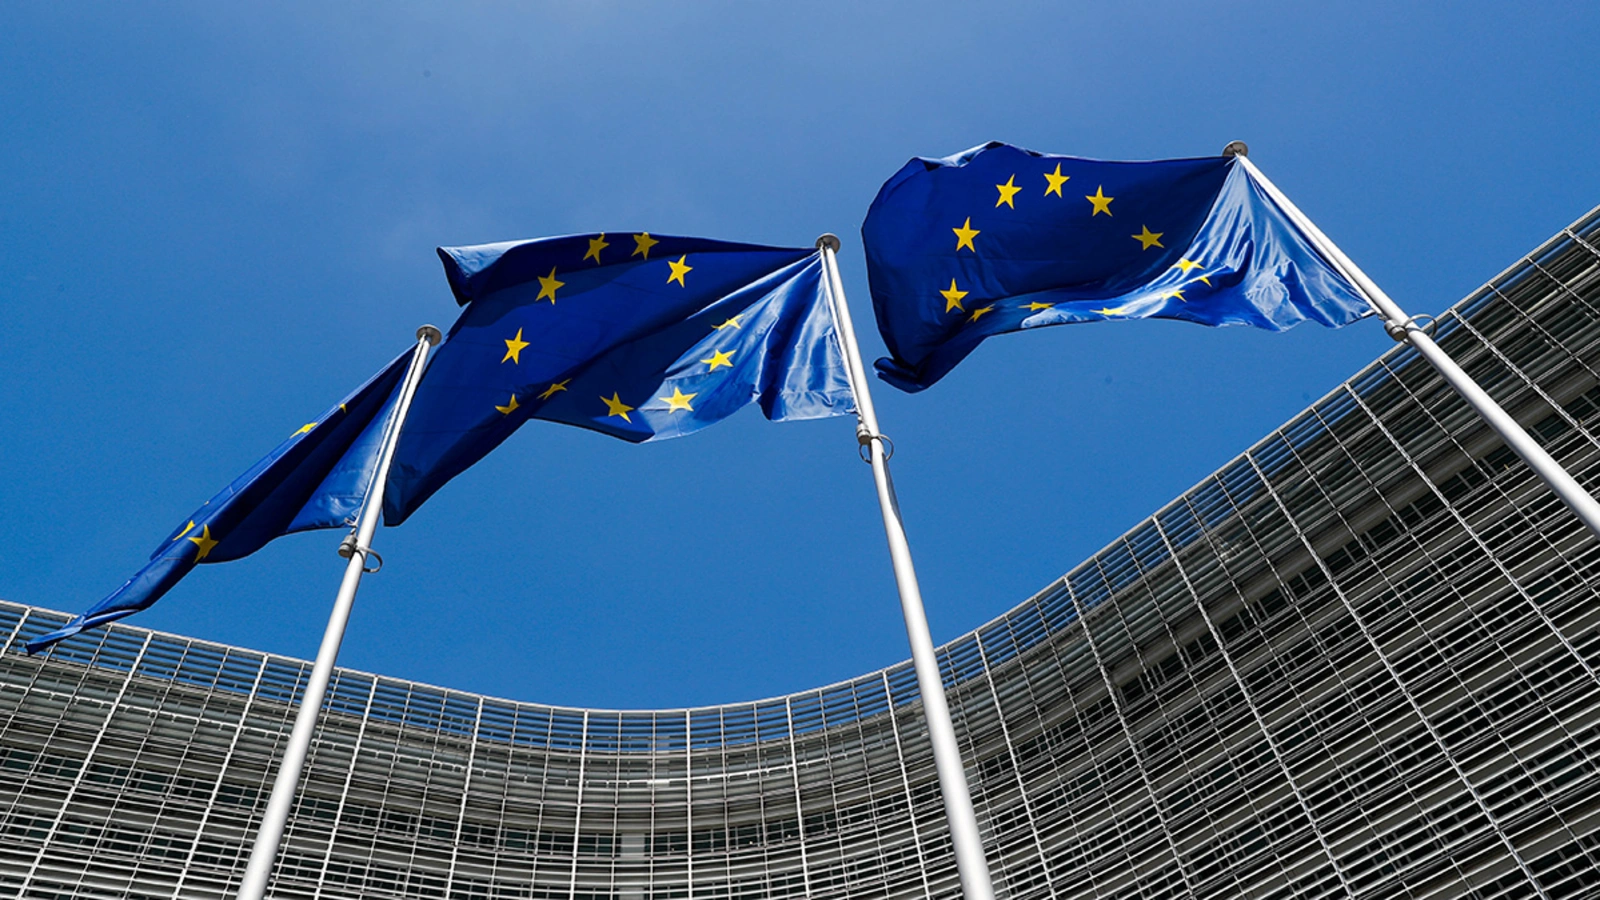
1361,659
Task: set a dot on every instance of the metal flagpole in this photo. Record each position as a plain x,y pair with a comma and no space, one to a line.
355,547
1404,328
970,861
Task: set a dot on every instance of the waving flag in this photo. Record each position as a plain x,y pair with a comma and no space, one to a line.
1001,239
317,478
638,336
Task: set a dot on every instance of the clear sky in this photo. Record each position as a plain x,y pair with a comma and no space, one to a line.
216,220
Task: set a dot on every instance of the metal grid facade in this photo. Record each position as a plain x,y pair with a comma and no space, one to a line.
1362,659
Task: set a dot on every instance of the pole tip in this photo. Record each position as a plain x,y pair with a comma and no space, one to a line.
829,241
430,334
1236,148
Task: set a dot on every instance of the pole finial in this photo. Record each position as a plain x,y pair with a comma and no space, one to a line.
1236,148
829,241
431,334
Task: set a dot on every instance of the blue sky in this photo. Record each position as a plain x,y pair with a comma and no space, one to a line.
217,220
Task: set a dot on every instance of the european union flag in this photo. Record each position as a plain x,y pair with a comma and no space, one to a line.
638,336
1001,239
317,478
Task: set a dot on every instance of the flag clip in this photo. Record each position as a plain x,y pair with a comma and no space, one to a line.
864,439
1397,330
348,548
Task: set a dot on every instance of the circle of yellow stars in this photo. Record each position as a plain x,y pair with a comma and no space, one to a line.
615,407
1099,204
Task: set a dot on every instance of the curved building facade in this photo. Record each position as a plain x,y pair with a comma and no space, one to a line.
1360,660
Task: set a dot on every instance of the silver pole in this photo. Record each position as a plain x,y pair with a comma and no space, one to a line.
1402,327
356,546
970,861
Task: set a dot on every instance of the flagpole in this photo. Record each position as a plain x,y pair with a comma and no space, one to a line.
1405,329
356,546
970,862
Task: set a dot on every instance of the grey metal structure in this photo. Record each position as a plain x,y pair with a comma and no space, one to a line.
1362,659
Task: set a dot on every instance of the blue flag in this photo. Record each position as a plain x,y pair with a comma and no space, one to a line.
638,336
1002,239
317,478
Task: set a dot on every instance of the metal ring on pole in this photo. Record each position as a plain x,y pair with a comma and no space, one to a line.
864,439
1397,330
348,548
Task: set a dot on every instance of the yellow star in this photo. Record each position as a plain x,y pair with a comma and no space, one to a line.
596,244
509,408
679,270
678,400
1056,180
1177,292
1111,310
186,529
952,297
1007,191
305,428
1036,306
547,288
1188,265
719,358
1102,203
733,322
1147,239
615,407
642,244
977,313
965,234
551,390
514,347
204,542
